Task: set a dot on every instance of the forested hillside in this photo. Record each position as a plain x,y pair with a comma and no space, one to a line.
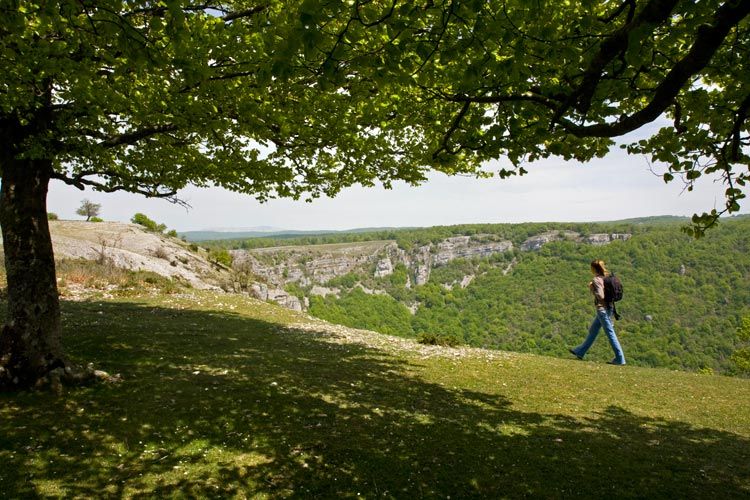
684,298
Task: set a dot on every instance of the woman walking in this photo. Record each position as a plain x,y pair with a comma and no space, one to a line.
603,318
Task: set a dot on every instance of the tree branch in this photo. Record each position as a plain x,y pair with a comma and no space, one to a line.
678,126
454,126
138,135
654,13
742,113
380,20
619,10
244,13
707,41
80,181
498,99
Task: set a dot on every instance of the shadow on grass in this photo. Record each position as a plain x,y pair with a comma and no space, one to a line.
218,404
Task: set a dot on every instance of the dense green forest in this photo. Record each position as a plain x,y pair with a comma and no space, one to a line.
684,298
409,237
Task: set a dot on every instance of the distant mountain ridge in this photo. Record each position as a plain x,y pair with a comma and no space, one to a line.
273,232
268,232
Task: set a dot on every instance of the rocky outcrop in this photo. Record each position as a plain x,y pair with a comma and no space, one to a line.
316,265
322,291
536,242
462,247
466,281
129,246
427,257
383,268
312,265
282,297
605,238
289,301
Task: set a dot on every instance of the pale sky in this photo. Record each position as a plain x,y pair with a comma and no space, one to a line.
619,186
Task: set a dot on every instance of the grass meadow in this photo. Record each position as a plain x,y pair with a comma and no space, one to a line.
228,397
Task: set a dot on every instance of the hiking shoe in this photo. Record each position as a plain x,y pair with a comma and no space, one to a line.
571,351
614,362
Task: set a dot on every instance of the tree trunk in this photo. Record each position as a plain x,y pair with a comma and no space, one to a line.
30,340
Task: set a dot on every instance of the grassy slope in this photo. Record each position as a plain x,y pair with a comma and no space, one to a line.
684,298
225,396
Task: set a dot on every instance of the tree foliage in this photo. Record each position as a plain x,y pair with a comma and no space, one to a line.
148,97
741,357
88,209
473,81
286,98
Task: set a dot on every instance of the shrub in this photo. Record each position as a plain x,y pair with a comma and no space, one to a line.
52,216
150,225
296,290
161,253
344,281
172,233
96,219
431,338
220,256
98,276
143,220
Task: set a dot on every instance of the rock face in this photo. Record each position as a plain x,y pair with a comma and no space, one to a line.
316,265
459,247
281,297
284,299
538,241
324,292
129,246
462,247
603,239
383,268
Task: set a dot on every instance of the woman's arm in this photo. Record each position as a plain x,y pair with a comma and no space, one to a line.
597,288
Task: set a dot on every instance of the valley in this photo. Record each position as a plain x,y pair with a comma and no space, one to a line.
523,287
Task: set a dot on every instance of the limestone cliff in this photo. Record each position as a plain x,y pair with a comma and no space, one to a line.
318,264
313,267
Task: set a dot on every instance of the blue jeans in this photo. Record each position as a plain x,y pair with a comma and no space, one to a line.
603,318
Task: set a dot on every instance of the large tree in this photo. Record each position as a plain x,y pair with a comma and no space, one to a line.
148,96
298,98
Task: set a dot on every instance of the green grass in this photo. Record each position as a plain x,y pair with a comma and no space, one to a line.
224,397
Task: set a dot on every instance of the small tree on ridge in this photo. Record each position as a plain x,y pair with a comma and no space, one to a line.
89,209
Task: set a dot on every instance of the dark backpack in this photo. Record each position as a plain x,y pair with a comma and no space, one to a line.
612,289
613,292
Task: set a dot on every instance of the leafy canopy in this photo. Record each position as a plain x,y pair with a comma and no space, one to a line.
477,80
292,98
149,96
